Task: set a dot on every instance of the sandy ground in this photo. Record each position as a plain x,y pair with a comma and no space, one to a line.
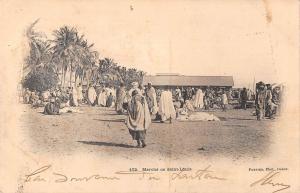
100,131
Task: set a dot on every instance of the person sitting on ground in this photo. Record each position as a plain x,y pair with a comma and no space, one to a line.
32,97
26,97
36,100
51,108
188,106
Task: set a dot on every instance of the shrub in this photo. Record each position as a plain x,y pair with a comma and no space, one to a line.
40,80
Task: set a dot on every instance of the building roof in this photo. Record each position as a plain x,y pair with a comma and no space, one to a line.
181,80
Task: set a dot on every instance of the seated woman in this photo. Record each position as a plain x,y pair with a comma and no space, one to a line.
51,108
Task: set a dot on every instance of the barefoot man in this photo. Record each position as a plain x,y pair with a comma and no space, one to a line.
138,120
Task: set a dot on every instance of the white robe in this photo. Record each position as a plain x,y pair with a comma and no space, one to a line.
224,99
198,116
102,98
79,93
198,102
92,95
166,106
75,97
152,95
139,118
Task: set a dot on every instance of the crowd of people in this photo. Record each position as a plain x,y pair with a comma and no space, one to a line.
142,104
70,97
183,99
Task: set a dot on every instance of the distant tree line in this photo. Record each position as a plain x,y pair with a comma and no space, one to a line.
69,54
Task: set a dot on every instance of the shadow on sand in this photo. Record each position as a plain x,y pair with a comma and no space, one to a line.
106,144
110,120
234,118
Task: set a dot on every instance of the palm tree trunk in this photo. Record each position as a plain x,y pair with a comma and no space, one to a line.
82,76
76,77
88,78
65,72
70,77
61,77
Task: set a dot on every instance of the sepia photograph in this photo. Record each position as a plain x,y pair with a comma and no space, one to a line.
150,96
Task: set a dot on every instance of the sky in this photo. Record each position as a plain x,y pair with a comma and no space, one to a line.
243,39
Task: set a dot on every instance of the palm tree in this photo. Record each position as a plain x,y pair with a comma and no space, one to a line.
88,59
40,49
65,50
110,71
71,53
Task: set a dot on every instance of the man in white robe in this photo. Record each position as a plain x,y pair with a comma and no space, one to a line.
198,103
224,100
79,93
151,99
138,120
74,97
166,107
102,98
92,95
